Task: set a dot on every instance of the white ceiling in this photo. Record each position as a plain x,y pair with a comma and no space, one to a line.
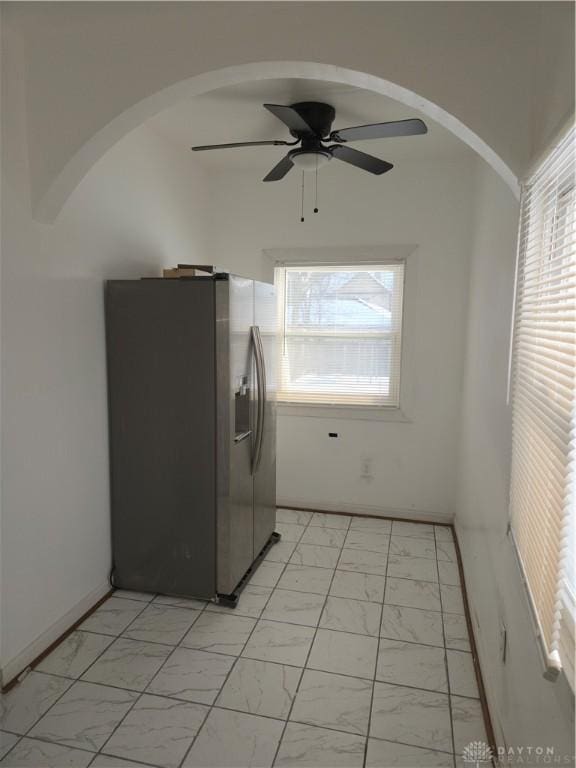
235,113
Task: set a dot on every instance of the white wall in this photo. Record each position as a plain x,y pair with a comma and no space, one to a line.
89,63
525,708
411,463
86,64
555,70
141,207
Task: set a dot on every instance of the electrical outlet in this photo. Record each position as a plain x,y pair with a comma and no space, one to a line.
366,468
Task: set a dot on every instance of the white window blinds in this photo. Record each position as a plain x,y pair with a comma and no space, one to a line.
341,329
543,387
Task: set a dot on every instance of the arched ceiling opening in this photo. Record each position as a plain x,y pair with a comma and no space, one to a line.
236,113
334,81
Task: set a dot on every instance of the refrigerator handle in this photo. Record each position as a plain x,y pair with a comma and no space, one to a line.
264,395
260,406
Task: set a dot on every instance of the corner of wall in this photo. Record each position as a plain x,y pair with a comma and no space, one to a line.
525,709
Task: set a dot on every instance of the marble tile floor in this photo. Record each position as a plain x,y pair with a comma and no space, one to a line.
348,648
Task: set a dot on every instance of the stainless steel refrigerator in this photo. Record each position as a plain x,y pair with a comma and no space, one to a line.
192,425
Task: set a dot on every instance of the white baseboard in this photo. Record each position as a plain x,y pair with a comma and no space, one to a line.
359,509
15,666
483,657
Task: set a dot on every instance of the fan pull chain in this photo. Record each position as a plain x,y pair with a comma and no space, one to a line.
316,188
302,205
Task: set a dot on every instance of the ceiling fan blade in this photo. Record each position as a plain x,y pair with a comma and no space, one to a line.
290,118
360,159
280,170
244,144
380,130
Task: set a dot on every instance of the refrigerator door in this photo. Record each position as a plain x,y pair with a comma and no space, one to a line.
265,465
234,318
161,389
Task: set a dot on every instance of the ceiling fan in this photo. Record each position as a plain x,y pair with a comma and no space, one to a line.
310,123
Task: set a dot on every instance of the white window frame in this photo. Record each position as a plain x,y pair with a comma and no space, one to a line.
362,256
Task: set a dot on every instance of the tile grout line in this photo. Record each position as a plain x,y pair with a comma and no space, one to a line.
258,619
140,693
149,693
370,711
446,666
200,611
202,703
284,664
213,705
46,741
18,740
359,549
73,681
284,621
307,655
146,604
303,669
95,755
342,597
210,707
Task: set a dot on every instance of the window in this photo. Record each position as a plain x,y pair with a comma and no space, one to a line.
542,504
341,334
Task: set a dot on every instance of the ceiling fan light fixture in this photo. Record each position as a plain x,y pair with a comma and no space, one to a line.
309,160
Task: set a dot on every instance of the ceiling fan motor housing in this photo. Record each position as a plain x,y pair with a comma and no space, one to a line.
317,115
310,123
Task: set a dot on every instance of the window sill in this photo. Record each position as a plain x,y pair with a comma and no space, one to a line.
352,412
